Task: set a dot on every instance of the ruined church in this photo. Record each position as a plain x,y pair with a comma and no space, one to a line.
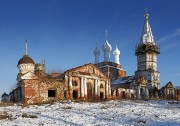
96,81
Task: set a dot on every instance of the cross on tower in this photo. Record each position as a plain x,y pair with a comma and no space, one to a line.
106,33
26,48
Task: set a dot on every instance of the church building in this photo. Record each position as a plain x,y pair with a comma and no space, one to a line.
147,51
35,86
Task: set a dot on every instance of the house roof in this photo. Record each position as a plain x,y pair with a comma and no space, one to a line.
5,95
123,80
169,85
86,73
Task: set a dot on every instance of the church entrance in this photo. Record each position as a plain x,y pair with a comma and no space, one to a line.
75,94
89,91
101,95
123,95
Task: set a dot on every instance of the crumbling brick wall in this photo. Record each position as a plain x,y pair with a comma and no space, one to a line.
36,91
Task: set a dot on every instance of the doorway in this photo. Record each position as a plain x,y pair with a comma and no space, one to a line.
101,95
89,91
75,94
123,95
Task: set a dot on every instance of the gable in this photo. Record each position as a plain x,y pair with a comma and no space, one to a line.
87,69
169,85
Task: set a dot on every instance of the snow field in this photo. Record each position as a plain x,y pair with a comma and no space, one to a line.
111,113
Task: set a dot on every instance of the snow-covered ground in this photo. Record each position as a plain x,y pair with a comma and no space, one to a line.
111,113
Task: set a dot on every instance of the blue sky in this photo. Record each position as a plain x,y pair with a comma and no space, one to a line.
65,32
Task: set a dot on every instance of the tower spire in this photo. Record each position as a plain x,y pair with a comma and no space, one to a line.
147,36
106,33
26,48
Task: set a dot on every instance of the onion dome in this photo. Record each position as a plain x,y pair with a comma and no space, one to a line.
25,60
96,51
116,51
107,47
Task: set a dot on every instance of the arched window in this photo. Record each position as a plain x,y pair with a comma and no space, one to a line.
101,86
74,83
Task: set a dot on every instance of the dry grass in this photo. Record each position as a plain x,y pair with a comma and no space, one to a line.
67,107
174,102
5,115
25,115
104,107
4,104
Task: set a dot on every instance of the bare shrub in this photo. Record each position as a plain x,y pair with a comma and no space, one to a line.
25,115
32,116
5,115
4,104
67,107
104,107
141,122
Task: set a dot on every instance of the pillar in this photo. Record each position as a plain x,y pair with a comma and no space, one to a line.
147,93
167,93
173,93
70,87
96,91
95,86
138,92
98,88
106,89
82,87
85,88
109,88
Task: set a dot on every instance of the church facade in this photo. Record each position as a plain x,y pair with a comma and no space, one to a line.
35,86
87,82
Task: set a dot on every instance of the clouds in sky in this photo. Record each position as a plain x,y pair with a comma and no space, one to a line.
173,44
170,36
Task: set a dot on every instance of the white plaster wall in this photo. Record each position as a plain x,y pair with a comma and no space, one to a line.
25,68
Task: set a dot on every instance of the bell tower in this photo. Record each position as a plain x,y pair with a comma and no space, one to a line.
147,51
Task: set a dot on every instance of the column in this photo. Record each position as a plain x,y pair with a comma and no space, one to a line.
173,93
109,88
106,89
95,86
70,87
98,88
164,92
85,87
167,93
147,93
138,92
82,87
70,82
